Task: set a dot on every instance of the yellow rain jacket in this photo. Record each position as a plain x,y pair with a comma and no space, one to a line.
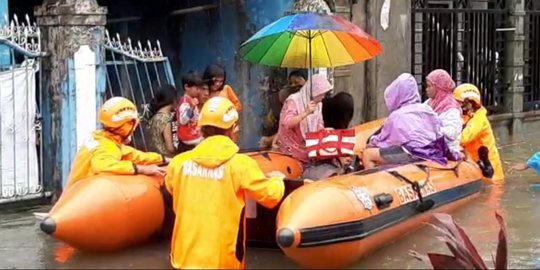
476,133
208,185
105,153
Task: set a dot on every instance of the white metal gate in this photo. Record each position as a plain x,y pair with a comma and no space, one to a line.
20,121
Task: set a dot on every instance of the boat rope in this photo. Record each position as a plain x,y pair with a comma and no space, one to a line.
427,169
415,185
422,205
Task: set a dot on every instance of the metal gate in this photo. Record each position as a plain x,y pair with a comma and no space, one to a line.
135,71
531,78
464,37
21,175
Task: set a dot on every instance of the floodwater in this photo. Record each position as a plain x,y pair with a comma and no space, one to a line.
23,245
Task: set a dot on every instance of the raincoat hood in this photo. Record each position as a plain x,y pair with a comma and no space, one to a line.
402,91
443,100
411,124
315,86
214,151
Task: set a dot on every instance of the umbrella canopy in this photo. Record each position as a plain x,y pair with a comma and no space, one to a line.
310,40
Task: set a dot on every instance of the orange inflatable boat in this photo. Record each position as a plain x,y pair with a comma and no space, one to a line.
333,222
107,213
111,212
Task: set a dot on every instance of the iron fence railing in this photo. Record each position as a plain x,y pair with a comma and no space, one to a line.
135,72
531,76
466,38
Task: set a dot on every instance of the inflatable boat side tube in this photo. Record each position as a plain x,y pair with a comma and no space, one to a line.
356,230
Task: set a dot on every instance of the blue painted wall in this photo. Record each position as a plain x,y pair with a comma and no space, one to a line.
206,41
5,58
69,125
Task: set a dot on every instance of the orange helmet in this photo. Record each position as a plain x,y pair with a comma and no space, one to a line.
468,91
218,112
116,113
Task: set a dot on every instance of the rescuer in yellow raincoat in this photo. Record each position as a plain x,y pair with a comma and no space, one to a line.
477,130
208,185
106,152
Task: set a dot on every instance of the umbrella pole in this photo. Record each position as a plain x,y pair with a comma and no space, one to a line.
310,68
310,98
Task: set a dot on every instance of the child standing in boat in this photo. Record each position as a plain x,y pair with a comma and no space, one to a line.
204,95
216,77
187,112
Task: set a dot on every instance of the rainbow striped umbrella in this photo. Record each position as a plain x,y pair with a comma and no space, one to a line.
310,40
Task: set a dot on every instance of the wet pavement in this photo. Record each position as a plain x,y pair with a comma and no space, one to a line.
23,245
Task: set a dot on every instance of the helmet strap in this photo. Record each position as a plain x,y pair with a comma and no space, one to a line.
122,137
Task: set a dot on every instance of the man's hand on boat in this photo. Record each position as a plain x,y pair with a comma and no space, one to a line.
151,170
282,176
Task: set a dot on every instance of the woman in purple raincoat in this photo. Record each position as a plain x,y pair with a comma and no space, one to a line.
412,131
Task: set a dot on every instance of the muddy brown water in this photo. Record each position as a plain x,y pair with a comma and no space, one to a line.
23,245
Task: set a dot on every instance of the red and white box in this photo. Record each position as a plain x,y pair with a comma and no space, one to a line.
330,143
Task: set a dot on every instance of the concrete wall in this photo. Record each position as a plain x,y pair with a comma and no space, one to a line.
366,81
369,79
352,79
502,125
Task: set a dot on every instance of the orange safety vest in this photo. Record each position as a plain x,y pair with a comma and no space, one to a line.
104,153
476,133
208,185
